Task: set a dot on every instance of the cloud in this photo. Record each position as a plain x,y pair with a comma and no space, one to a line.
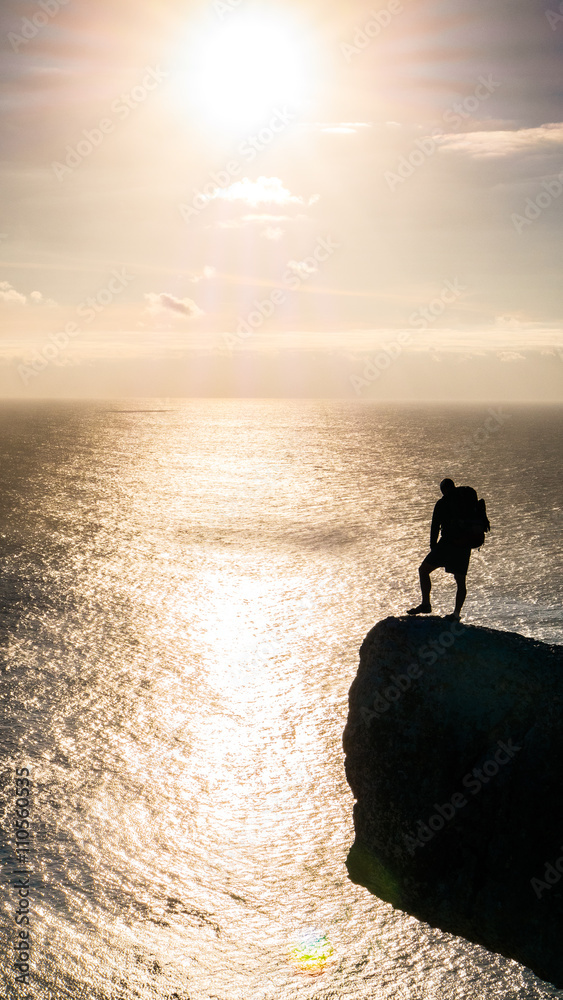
264,191
510,356
264,217
301,268
161,303
346,127
480,145
510,321
260,219
231,224
343,128
39,300
10,296
273,233
206,274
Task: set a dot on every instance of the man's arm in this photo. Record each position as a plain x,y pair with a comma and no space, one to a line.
435,527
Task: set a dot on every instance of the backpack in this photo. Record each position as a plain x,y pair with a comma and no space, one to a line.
470,522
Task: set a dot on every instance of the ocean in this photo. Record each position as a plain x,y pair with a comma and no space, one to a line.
186,585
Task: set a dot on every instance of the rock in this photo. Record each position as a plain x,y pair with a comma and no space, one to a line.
454,752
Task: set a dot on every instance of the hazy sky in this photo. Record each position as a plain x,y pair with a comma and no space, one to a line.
313,198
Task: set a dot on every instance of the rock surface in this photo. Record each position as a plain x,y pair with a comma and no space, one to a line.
454,752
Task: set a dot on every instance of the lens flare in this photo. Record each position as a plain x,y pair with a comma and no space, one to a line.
313,953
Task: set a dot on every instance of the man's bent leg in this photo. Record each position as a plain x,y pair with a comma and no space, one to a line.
424,571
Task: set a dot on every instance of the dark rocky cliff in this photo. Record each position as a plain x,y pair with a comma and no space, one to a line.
454,752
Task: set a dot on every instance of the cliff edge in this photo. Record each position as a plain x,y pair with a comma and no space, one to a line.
454,753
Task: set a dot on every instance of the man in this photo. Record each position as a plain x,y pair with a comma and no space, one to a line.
446,552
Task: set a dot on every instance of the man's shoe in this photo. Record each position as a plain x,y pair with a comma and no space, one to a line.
453,617
422,609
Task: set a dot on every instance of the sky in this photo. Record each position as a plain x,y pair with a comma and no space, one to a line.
322,198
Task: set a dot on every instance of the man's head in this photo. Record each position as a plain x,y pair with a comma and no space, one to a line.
446,486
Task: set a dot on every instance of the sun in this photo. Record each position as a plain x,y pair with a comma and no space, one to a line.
247,68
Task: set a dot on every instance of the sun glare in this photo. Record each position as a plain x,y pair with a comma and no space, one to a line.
247,68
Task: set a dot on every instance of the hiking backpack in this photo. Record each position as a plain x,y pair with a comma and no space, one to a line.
471,521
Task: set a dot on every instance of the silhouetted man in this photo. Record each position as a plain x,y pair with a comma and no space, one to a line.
446,552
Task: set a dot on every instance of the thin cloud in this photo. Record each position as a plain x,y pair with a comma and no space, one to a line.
336,126
345,128
481,145
231,224
264,191
264,217
259,219
162,302
273,233
302,268
205,274
510,356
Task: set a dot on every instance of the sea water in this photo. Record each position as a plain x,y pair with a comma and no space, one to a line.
185,587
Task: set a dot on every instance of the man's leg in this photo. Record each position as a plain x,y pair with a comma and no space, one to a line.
461,593
424,571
